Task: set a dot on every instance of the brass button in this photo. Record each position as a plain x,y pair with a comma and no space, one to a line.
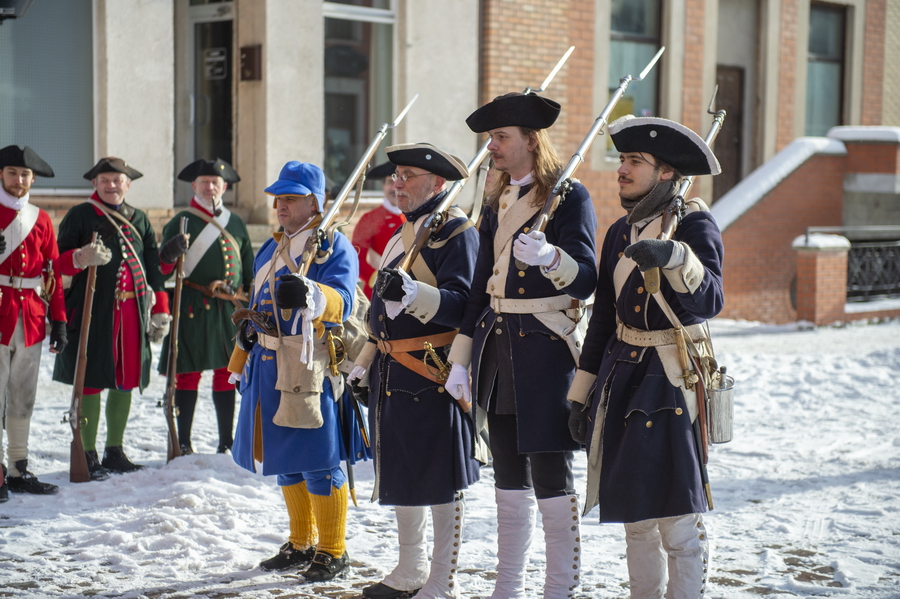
637,308
621,254
499,319
498,331
382,334
503,205
649,423
625,237
521,290
634,354
297,389
702,536
506,192
440,389
521,333
380,317
521,273
679,412
415,399
327,477
640,290
388,393
482,325
496,271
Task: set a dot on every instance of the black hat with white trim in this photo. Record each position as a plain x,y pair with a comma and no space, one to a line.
669,141
209,168
514,110
430,158
25,158
382,171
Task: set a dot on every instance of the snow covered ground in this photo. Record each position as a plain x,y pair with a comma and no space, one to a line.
807,496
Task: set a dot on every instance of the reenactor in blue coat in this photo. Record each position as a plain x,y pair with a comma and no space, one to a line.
632,404
424,440
291,405
217,270
522,331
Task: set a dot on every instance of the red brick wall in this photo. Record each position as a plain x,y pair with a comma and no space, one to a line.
759,263
821,285
872,157
787,77
873,62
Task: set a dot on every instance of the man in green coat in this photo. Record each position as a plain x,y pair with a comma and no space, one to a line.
130,307
218,273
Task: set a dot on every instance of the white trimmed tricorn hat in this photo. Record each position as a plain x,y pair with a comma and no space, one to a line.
426,156
669,141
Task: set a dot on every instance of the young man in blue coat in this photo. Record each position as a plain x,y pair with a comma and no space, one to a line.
424,440
630,401
521,333
289,418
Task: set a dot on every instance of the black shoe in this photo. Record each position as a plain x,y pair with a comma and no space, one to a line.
28,482
224,448
326,567
288,557
186,450
382,591
97,471
115,460
4,488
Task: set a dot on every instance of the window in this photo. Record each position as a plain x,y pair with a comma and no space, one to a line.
634,39
825,68
359,38
46,88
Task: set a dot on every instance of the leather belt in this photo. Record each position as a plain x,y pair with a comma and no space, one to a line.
398,349
572,307
271,341
21,282
632,336
124,295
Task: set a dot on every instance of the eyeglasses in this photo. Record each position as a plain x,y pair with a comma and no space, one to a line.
406,177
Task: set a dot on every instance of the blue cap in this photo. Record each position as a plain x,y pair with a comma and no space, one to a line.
300,178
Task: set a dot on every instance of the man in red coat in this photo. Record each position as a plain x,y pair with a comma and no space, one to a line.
376,227
27,279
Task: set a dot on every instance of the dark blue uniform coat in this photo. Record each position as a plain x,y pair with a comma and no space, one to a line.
541,363
424,441
648,461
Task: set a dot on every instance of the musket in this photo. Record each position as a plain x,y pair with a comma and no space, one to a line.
78,468
317,238
563,184
173,449
674,212
439,214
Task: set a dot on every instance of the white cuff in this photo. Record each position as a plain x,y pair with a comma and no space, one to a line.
564,274
461,351
426,302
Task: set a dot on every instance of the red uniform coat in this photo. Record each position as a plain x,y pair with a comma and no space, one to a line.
371,234
28,261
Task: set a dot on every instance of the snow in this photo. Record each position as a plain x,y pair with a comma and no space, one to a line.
807,495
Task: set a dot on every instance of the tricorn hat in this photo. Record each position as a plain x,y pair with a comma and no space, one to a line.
25,158
382,171
426,156
111,164
514,110
209,168
669,141
300,179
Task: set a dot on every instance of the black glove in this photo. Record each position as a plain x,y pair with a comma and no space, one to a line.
389,285
291,292
578,422
58,337
172,249
360,393
246,336
2,244
650,253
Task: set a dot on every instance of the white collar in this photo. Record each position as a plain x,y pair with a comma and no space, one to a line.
529,178
12,202
208,206
390,207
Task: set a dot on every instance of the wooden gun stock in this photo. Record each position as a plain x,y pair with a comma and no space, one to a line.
173,447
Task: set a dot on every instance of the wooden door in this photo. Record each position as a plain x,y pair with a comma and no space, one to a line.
728,145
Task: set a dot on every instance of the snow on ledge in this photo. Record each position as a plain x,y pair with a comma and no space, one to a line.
873,306
888,134
821,241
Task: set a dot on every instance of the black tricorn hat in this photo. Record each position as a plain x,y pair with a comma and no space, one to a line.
669,141
514,110
209,168
426,156
382,171
25,158
111,164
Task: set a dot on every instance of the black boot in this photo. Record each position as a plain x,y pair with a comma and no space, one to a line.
288,557
224,403
97,471
185,402
28,482
379,590
4,488
326,567
115,460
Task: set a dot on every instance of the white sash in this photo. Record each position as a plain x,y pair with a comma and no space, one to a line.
204,241
20,227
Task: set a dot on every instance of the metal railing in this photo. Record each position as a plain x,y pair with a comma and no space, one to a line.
873,262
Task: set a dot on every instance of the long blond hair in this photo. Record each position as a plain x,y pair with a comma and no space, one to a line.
547,168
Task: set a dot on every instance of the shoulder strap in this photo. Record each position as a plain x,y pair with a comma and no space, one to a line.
20,227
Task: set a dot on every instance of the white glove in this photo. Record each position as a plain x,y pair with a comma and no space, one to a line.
533,249
356,374
458,384
159,327
93,254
